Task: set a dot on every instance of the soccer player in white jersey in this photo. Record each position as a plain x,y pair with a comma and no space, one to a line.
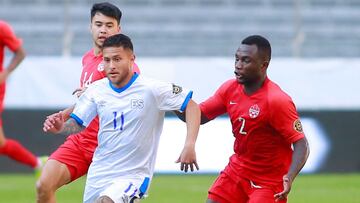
131,110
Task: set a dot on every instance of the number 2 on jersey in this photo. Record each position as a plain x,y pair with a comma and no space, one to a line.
121,119
242,123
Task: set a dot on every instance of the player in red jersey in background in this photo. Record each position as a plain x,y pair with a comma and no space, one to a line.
10,147
265,125
72,159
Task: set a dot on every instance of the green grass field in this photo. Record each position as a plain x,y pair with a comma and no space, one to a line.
324,188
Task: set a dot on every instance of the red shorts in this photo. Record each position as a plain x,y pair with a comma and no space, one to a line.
227,190
76,157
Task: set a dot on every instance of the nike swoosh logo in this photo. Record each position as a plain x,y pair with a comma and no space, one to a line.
231,103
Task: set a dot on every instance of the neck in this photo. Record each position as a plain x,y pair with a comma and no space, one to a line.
255,86
97,50
124,82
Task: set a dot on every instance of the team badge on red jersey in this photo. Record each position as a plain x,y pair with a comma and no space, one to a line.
100,67
254,111
297,126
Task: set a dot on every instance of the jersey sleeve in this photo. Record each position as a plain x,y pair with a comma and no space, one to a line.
9,38
215,106
171,97
285,119
85,108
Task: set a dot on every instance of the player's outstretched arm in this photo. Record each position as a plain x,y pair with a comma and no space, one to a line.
300,155
187,157
57,125
19,55
65,113
182,115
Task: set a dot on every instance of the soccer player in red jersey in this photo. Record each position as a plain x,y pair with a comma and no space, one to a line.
72,159
265,125
10,147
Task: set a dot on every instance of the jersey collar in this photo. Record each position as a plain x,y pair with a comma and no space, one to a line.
121,89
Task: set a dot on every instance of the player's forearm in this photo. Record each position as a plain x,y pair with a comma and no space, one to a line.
66,112
19,55
300,155
192,117
71,127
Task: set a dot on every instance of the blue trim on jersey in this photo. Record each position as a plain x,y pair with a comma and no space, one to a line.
144,186
128,188
77,119
121,89
188,97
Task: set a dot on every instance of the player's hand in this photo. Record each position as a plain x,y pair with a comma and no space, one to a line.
287,182
54,123
79,91
187,159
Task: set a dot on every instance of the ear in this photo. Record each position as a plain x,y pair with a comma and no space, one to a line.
133,58
119,29
265,65
132,61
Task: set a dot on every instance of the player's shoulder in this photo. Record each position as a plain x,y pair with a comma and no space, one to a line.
229,85
150,82
276,95
88,55
5,28
99,85
4,24
230,82
157,86
101,82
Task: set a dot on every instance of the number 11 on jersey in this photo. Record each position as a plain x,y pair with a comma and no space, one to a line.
122,120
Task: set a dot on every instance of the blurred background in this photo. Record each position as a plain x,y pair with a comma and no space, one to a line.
316,49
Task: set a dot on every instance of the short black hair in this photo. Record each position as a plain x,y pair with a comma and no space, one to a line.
106,9
118,40
262,44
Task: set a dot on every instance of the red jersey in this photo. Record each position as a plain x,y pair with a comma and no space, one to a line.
264,125
7,39
93,70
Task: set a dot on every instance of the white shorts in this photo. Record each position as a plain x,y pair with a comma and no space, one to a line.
119,191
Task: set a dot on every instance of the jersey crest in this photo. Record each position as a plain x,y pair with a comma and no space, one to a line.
137,103
100,67
176,89
254,111
298,126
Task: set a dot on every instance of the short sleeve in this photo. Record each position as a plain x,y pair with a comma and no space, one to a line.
8,37
215,106
171,97
85,108
285,119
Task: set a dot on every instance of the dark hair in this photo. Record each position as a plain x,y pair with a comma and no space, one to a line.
262,44
106,9
118,40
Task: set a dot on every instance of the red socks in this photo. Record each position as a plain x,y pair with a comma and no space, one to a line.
14,150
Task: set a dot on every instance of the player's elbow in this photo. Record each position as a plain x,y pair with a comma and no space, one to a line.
20,53
204,119
303,146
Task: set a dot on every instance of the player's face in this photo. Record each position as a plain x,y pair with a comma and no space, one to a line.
101,27
249,66
118,63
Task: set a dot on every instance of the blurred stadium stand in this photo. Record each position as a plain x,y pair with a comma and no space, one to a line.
302,28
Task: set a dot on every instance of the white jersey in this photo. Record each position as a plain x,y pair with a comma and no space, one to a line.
130,123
